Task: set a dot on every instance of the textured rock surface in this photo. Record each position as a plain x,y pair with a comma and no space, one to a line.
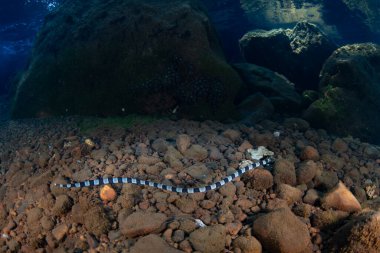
274,86
341,198
296,53
209,239
142,223
114,58
360,234
152,244
350,89
281,231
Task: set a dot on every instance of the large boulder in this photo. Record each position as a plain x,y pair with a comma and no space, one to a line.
360,234
117,57
279,90
350,91
343,19
281,231
297,53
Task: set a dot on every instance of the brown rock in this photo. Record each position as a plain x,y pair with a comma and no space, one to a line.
63,204
196,152
260,179
247,244
188,225
142,223
96,221
228,190
284,172
311,196
339,145
328,179
209,239
362,234
186,205
341,198
107,193
306,171
282,231
34,216
328,219
200,172
232,134
152,244
183,142
289,193
215,154
309,153
60,231
47,223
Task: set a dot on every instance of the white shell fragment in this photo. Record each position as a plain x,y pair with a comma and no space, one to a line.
276,134
200,223
260,152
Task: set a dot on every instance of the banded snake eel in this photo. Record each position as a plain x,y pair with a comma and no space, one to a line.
266,161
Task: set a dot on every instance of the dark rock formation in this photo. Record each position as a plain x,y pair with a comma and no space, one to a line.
296,53
118,57
279,90
350,91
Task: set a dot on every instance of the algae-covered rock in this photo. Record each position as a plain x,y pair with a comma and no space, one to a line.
296,53
350,88
117,57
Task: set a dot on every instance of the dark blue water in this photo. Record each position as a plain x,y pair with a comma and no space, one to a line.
19,23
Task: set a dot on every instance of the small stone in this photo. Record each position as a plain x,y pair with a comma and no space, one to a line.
328,219
178,236
186,205
196,152
110,169
34,216
247,244
160,145
13,245
233,228
215,154
107,193
183,142
339,145
327,180
284,172
209,239
207,204
200,172
60,231
245,146
186,246
228,190
96,221
47,223
309,153
232,134
341,198
289,193
63,204
152,243
142,223
306,171
187,225
260,179
311,196
99,154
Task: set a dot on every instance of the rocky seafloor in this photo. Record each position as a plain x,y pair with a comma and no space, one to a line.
319,196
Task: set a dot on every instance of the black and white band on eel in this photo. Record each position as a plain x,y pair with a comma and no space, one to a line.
266,161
